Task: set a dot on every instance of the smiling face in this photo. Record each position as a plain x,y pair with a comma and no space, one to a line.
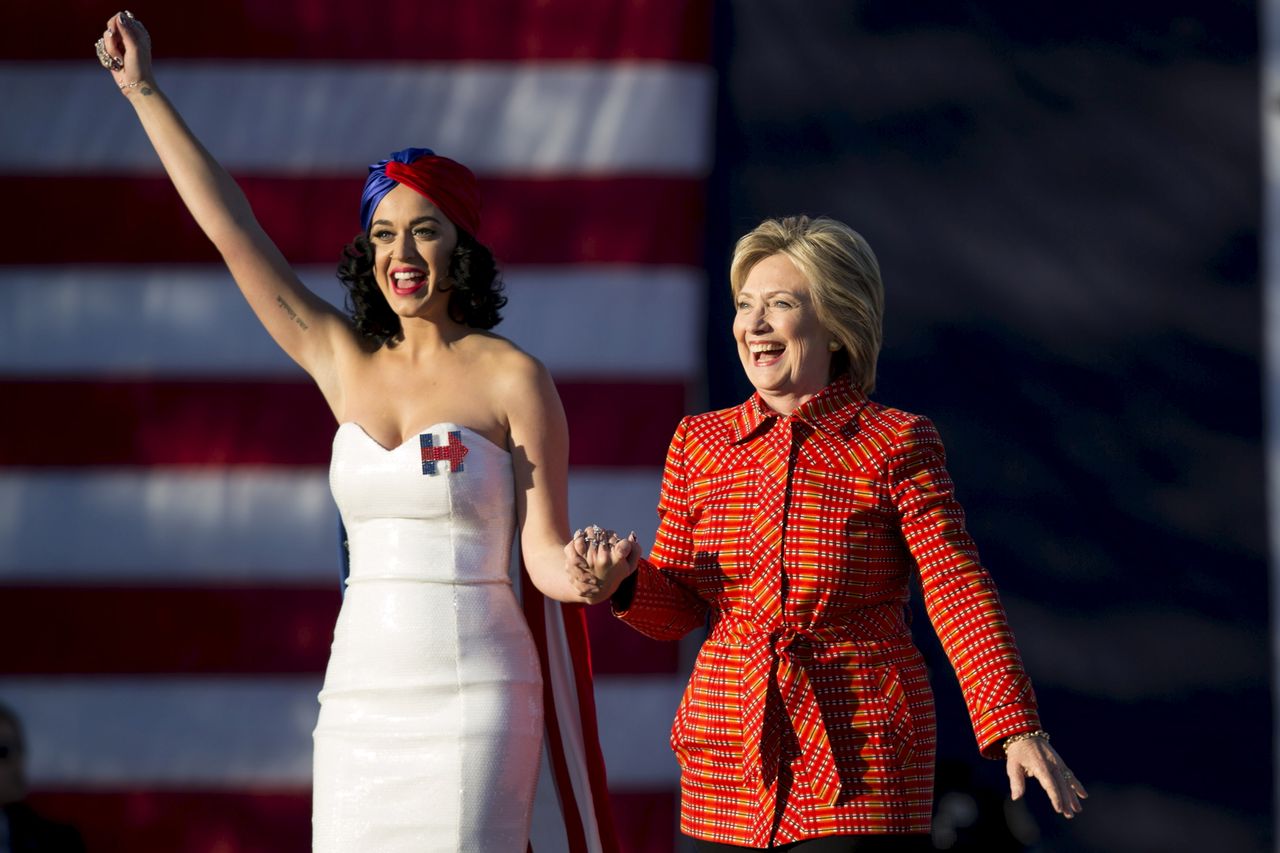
413,243
782,345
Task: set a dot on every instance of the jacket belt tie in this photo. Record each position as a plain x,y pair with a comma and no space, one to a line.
780,658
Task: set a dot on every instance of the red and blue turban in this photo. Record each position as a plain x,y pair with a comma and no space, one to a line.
448,184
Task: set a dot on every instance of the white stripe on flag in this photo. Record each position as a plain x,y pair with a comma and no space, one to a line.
242,732
581,321
191,526
500,118
638,753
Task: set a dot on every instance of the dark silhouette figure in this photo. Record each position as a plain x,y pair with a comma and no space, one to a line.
22,829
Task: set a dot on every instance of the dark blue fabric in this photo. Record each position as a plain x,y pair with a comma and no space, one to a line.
344,558
378,184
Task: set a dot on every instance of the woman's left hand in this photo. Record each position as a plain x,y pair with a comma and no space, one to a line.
1033,757
598,561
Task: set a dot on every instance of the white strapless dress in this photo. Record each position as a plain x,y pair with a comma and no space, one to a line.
430,724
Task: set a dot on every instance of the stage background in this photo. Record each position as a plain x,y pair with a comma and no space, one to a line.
1065,200
1066,203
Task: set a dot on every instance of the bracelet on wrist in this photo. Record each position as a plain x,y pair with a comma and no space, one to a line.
1039,734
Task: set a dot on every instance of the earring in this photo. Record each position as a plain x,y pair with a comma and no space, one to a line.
833,346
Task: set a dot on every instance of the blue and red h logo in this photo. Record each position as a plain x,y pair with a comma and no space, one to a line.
452,451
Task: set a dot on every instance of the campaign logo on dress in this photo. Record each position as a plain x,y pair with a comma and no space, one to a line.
452,451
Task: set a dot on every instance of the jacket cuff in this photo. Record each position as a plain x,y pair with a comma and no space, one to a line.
620,601
1003,722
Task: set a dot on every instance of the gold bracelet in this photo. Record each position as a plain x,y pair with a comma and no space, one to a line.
1012,739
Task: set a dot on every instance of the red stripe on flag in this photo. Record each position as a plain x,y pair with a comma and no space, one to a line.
276,821
652,220
202,422
255,630
394,30
184,821
646,820
222,630
164,422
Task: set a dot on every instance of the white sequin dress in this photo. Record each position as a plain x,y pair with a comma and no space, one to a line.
430,722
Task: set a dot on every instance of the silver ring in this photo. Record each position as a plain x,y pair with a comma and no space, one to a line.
105,58
108,61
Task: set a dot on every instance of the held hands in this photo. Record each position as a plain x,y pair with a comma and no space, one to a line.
1031,756
597,561
125,51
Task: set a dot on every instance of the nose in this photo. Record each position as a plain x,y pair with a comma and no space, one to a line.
756,320
402,249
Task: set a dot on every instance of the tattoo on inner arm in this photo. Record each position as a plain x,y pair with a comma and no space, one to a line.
146,90
293,315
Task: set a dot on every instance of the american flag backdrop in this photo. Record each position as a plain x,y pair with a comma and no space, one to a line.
168,544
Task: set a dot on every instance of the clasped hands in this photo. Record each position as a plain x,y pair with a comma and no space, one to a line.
598,560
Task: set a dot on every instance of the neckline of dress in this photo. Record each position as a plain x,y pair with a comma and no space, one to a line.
419,432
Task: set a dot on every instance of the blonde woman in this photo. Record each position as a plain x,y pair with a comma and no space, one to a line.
793,523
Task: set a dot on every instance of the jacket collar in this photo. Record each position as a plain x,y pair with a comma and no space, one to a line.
829,410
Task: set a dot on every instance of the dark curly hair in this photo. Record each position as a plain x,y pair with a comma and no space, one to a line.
475,290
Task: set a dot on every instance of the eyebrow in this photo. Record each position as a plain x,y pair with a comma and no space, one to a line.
427,218
769,293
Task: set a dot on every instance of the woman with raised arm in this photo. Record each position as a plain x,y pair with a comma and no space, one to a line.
451,440
793,523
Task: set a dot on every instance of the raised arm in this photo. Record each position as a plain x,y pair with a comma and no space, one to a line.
306,327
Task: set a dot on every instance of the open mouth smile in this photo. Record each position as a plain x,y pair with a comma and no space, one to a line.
406,282
765,353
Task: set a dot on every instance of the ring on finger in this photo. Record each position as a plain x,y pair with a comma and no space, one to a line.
108,61
103,57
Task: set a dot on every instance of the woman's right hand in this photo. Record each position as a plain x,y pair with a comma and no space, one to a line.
306,327
128,46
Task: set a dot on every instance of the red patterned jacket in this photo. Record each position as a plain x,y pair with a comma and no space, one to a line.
809,712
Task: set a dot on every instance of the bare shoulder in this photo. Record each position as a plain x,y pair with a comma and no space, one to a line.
524,392
513,371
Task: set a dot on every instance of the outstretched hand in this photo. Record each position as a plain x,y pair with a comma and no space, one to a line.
125,51
598,561
1034,758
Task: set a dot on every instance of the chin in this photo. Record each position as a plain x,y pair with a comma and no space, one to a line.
770,381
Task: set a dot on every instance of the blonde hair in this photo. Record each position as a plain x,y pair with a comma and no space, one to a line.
843,275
